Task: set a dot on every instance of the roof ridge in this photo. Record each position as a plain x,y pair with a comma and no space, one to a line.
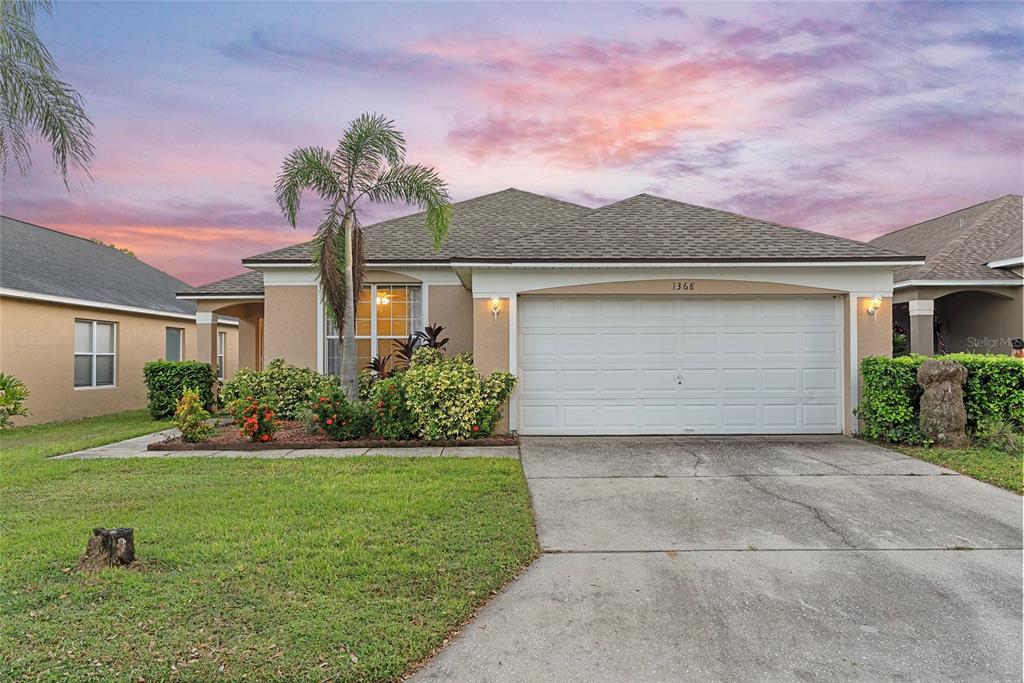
589,211
932,263
818,233
948,213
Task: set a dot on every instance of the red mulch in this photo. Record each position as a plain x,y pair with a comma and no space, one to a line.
291,434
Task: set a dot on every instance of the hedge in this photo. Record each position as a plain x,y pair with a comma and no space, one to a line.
288,388
890,396
166,380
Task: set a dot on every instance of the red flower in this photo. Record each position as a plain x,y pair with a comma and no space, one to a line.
380,404
476,428
265,437
330,421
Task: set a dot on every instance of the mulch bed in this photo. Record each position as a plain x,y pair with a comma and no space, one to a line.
292,435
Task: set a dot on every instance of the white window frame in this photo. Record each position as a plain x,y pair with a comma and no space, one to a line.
181,341
94,354
373,336
222,348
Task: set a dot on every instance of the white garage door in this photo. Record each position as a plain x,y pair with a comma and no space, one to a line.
680,365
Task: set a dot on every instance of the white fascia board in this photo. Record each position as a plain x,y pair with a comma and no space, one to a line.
86,303
1007,262
534,265
207,297
956,283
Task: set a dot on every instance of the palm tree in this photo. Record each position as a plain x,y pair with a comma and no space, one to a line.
368,163
33,101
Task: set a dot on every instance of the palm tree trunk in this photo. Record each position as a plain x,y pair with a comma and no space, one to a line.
349,364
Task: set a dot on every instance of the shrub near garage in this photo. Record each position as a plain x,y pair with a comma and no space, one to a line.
449,400
993,395
292,388
166,380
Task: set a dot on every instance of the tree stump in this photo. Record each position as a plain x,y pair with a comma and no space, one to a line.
108,548
943,415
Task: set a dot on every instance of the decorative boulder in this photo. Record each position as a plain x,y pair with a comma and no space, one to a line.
943,415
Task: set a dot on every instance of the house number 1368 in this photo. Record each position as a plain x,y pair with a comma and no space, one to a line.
684,286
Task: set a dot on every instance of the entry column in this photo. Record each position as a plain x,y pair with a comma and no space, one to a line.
922,327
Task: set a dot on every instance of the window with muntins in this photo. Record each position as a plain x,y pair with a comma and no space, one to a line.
95,354
385,313
222,344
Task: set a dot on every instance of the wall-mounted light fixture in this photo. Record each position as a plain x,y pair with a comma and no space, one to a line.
495,307
383,299
874,304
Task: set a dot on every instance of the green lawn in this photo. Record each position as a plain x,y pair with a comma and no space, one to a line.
987,464
308,570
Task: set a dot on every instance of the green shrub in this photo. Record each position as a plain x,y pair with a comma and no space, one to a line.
191,417
392,418
1001,436
13,394
288,387
449,400
890,396
166,380
343,420
366,381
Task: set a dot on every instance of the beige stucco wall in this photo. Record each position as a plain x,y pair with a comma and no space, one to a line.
452,307
37,346
290,324
490,344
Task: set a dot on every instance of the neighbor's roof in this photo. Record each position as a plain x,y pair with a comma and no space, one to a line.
960,244
513,225
43,261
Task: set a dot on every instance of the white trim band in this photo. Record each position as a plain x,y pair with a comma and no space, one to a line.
681,264
1003,263
956,283
922,307
205,297
85,303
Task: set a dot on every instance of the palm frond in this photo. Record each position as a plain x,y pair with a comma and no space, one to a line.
329,261
371,143
418,185
306,168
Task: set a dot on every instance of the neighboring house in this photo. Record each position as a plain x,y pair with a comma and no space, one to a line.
969,294
647,316
79,319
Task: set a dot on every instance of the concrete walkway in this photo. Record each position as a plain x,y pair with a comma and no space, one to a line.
682,559
136,448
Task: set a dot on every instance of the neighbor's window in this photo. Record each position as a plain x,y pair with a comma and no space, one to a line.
222,344
95,360
384,313
174,343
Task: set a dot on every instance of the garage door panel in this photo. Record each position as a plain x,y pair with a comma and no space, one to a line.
631,365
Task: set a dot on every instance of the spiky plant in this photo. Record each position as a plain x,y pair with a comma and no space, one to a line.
34,102
367,164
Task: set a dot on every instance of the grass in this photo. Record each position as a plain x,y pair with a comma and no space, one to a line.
987,464
307,570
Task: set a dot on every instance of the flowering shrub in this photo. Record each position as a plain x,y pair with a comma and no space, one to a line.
342,420
191,417
449,400
291,388
255,418
391,416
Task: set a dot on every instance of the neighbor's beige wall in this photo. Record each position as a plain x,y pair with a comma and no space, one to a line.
290,324
452,307
490,344
37,345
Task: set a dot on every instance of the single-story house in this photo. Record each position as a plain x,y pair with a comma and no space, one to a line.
79,319
969,293
646,316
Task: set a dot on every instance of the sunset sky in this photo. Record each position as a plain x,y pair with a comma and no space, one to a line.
851,119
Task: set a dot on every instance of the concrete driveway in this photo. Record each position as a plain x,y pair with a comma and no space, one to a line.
752,559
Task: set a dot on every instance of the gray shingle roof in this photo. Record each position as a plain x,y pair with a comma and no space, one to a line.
521,226
649,228
958,245
246,284
477,226
44,261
